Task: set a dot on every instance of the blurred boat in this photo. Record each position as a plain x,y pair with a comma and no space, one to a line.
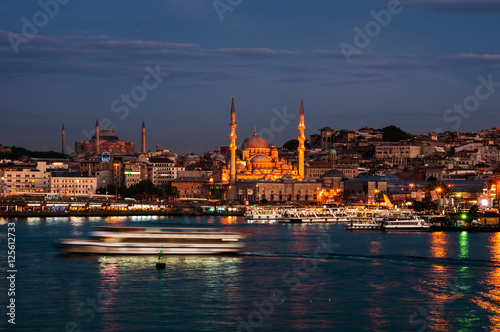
122,240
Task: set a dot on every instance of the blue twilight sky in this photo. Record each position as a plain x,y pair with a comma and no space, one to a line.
78,61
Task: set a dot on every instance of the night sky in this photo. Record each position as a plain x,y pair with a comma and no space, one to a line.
355,62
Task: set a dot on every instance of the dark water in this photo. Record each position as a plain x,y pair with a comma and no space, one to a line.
290,278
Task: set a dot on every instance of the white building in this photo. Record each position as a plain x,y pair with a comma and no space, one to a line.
17,179
72,184
161,171
397,154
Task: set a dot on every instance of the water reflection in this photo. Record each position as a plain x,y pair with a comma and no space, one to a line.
489,300
438,288
439,244
214,279
464,245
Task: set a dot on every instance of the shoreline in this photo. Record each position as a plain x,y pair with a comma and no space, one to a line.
15,214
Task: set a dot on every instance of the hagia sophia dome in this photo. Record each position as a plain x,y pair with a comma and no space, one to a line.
106,135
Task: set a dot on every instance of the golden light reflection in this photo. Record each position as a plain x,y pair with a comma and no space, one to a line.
375,247
228,220
438,288
489,300
439,244
378,288
107,295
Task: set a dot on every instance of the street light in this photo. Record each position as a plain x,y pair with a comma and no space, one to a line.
116,182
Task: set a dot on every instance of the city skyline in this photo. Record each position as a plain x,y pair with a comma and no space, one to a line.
421,65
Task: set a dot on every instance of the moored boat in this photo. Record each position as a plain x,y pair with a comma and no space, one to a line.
121,240
314,215
372,224
410,224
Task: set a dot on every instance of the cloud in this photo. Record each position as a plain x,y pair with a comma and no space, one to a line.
485,7
476,57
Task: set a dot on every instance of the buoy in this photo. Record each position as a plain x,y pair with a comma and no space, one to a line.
160,265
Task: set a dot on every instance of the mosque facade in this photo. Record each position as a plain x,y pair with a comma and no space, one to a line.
105,141
256,173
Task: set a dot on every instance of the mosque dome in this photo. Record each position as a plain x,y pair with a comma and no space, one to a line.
332,151
255,141
240,166
285,167
260,158
106,135
333,173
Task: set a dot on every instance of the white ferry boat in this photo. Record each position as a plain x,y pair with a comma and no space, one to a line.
265,213
371,224
314,215
121,240
413,224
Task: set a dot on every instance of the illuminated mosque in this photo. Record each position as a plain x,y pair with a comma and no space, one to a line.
255,171
106,141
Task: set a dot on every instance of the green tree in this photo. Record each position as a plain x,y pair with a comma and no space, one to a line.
291,145
425,206
142,189
394,134
474,211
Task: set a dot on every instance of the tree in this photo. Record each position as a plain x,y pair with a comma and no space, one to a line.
474,211
143,189
18,152
171,191
394,134
425,205
291,145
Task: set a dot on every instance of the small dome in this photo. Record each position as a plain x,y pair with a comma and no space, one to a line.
260,158
287,177
332,151
256,172
285,167
218,157
240,166
333,173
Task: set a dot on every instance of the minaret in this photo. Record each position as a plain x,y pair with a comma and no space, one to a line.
301,139
97,147
143,146
232,167
63,136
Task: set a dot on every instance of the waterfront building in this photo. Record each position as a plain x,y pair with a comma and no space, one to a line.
67,184
24,178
